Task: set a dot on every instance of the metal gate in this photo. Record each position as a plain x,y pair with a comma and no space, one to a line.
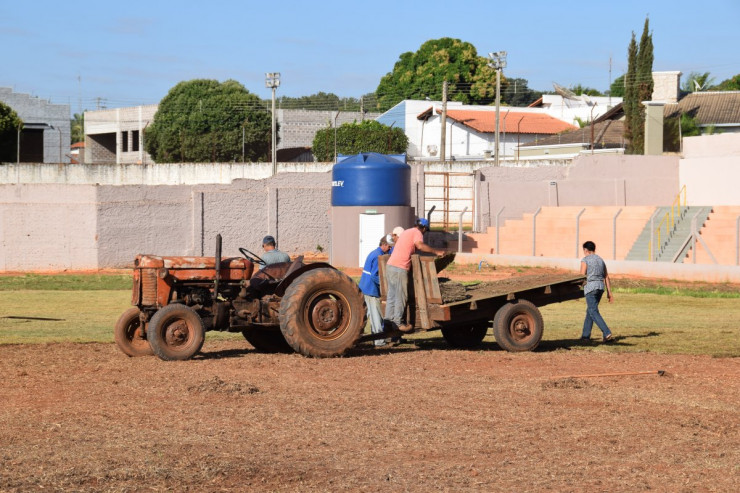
450,193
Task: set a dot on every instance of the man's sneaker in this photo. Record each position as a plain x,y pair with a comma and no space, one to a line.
609,338
585,340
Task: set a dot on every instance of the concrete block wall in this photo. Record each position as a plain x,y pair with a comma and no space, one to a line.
48,227
298,127
32,109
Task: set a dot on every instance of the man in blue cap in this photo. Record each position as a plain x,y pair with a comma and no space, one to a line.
272,255
370,287
397,272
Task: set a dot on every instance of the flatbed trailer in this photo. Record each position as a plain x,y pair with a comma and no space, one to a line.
510,305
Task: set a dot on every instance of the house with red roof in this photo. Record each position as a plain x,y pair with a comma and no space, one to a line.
470,129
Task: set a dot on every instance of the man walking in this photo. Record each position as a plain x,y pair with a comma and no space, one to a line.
397,272
370,287
597,278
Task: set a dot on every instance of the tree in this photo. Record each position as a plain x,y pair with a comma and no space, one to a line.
420,75
675,128
516,92
731,84
203,120
579,89
697,81
9,125
353,138
638,88
77,126
616,88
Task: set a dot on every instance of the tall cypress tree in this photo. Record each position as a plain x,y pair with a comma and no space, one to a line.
630,93
639,88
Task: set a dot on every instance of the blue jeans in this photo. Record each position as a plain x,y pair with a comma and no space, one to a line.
376,318
395,303
592,315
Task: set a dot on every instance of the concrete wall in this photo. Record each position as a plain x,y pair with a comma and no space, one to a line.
33,110
710,169
49,227
591,180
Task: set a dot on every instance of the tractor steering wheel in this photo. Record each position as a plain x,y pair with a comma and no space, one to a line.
252,257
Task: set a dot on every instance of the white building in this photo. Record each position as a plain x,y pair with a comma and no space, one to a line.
470,129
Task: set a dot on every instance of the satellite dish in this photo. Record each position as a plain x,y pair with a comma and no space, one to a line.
566,93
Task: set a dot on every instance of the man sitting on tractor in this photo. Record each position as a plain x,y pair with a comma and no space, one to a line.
272,255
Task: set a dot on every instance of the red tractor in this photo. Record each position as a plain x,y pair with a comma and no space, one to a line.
313,309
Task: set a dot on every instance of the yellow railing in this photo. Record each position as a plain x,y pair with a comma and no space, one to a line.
668,221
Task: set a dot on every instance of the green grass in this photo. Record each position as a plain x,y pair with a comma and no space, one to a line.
693,320
64,282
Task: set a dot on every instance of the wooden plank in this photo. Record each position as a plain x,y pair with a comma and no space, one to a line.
420,292
382,261
431,283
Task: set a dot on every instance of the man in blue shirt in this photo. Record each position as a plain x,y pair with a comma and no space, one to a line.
272,255
370,287
597,279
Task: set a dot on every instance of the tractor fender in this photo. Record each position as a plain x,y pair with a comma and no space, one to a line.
280,289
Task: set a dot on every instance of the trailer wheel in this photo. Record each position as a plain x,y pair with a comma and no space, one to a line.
267,341
322,313
130,336
465,336
176,332
518,326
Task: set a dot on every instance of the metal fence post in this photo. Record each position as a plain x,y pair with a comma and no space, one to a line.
614,234
460,230
498,215
578,231
534,231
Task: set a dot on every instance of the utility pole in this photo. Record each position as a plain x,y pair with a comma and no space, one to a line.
272,80
443,125
498,61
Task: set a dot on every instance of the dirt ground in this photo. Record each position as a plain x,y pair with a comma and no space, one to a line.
423,417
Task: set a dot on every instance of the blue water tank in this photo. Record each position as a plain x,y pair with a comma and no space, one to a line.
370,179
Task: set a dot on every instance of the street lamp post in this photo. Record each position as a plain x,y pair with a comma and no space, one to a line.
272,81
498,61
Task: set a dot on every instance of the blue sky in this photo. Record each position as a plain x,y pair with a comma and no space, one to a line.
133,52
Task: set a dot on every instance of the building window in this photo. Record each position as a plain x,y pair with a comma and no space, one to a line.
135,141
124,141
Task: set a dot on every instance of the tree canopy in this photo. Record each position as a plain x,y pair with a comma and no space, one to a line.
516,92
353,138
204,120
616,88
9,124
638,88
420,75
697,81
77,128
731,84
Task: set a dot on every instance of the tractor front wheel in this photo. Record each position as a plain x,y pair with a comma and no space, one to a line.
130,335
176,332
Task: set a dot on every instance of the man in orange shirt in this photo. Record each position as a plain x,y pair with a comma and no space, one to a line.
397,272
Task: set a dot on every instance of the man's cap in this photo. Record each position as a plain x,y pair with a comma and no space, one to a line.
397,230
422,222
268,239
389,239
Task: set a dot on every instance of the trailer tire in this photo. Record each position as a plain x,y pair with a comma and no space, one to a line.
267,341
518,326
322,313
466,336
130,336
176,333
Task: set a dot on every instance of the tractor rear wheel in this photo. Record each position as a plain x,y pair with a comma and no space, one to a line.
322,313
130,336
176,332
267,341
466,336
518,326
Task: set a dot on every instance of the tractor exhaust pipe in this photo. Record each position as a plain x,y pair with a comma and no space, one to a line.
218,267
